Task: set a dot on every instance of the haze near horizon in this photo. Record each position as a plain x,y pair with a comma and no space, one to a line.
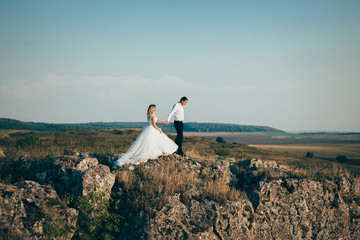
288,65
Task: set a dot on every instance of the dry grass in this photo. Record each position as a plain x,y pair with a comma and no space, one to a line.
194,154
154,182
318,172
56,142
221,191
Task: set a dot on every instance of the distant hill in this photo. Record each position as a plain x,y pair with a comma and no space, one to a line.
7,123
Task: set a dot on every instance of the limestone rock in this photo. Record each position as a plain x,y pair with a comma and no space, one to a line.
202,220
2,155
106,158
71,175
281,204
300,209
57,171
192,166
29,210
355,188
217,172
97,179
71,152
83,155
86,163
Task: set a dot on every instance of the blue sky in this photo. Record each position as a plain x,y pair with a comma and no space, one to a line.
292,65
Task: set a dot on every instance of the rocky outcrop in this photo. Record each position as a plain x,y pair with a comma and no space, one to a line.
302,209
202,220
73,175
287,207
281,207
69,176
56,171
279,204
29,210
95,178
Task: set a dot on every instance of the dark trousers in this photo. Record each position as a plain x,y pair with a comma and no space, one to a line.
179,126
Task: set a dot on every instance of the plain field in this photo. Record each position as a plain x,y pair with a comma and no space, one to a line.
327,145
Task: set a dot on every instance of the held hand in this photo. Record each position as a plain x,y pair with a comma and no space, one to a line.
160,130
167,122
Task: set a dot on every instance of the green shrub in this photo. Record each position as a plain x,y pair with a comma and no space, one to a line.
95,221
310,155
18,134
220,140
27,141
4,141
52,231
9,170
118,132
341,159
222,152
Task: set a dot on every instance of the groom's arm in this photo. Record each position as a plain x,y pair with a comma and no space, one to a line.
173,110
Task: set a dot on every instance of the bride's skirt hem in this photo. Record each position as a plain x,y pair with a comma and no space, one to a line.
138,161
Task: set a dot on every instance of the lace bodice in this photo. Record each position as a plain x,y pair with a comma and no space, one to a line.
150,119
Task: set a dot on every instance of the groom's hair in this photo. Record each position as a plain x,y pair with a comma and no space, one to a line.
184,99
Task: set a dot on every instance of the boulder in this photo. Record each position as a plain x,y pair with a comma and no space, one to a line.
86,163
97,179
29,210
202,220
57,171
71,175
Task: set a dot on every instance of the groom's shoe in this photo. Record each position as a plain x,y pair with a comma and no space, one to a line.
182,154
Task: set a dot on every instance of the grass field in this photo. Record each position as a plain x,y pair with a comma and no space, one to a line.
320,150
288,149
268,138
325,146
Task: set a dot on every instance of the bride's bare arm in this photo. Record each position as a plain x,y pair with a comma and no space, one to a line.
154,125
158,121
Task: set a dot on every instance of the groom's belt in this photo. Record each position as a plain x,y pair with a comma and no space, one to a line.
177,121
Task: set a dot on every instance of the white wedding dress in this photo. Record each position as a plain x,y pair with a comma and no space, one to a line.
150,144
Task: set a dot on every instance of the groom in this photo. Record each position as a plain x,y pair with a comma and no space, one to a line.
178,112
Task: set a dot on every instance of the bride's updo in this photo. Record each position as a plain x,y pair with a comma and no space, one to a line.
151,110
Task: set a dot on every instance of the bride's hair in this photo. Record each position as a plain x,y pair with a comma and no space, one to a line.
151,110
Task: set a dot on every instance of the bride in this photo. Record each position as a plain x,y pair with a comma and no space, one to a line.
150,144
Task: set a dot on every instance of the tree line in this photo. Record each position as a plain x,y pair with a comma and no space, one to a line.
7,123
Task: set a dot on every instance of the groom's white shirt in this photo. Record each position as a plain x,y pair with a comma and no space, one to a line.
178,112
